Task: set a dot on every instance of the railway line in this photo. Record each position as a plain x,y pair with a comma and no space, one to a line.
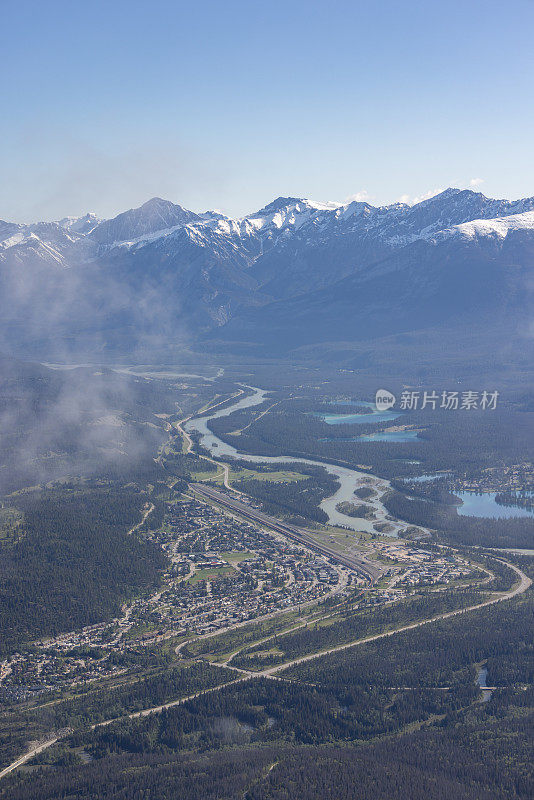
370,571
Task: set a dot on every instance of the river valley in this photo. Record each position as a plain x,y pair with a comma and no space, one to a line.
349,479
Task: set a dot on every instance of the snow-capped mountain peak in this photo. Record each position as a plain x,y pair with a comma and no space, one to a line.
290,213
354,234
84,224
308,265
153,216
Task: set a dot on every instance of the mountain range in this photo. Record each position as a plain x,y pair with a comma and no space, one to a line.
295,274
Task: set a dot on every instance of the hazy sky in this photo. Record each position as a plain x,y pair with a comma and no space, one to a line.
229,104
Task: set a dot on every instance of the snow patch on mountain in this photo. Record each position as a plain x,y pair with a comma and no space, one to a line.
499,227
13,240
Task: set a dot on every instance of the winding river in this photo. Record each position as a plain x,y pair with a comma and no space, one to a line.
349,479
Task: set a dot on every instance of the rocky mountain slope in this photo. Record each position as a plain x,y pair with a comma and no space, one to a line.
293,273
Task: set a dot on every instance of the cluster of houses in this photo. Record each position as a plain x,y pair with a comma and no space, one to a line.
415,567
501,478
236,571
223,571
23,675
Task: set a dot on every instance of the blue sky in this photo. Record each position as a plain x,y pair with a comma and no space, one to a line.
229,104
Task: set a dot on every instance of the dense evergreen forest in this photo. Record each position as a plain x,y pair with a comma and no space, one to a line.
480,759
436,655
265,740
351,626
74,564
154,680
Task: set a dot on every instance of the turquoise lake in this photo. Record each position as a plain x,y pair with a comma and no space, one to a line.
380,436
358,418
362,418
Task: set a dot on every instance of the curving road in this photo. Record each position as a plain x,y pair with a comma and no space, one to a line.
148,510
298,535
221,464
524,583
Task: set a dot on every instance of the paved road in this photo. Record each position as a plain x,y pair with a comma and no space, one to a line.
187,438
158,709
245,675
221,464
29,755
523,585
302,537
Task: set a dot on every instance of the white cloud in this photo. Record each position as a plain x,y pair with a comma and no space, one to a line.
362,196
412,201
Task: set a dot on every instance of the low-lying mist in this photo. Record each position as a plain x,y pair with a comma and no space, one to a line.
78,422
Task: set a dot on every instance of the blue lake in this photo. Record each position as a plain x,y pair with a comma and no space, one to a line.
362,418
484,505
380,436
358,417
